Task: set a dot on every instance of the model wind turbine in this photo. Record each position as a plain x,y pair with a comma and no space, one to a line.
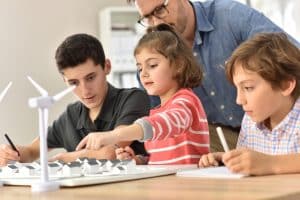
3,93
43,103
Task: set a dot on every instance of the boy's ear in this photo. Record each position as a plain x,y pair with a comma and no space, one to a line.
107,66
288,87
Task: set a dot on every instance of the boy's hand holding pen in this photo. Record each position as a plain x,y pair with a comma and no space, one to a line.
8,152
11,144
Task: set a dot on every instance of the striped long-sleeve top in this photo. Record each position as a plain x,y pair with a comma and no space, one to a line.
176,132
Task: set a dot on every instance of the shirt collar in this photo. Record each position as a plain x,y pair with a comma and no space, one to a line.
203,18
105,114
293,114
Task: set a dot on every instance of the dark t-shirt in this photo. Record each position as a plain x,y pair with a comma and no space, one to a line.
120,107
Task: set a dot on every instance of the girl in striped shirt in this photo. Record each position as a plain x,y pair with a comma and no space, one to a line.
176,131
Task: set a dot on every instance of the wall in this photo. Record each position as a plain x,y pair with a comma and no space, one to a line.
284,13
29,34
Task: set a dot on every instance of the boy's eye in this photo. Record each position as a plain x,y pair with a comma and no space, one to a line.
90,78
248,88
73,83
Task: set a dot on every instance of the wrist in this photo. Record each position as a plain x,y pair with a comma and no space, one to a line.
27,154
128,133
117,135
276,166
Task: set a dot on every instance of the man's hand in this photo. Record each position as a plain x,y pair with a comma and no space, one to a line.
248,162
95,141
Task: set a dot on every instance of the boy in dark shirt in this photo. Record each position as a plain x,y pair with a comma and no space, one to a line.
101,107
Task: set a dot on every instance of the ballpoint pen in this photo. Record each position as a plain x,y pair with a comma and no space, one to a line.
11,144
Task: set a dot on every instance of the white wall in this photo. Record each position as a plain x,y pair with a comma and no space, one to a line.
284,13
29,34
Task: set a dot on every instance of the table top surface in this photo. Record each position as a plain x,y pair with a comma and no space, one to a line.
173,187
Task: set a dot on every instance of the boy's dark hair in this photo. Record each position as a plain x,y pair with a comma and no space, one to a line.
76,49
166,41
272,56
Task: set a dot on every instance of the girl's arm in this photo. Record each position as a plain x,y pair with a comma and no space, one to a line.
184,111
175,119
97,140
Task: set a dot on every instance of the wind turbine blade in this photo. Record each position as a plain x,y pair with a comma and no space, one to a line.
63,93
41,90
3,93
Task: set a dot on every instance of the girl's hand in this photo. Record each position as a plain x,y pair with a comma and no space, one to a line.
126,153
95,141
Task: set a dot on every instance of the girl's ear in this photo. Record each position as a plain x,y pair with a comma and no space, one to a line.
288,87
107,66
178,68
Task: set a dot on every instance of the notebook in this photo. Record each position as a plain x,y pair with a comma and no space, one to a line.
211,172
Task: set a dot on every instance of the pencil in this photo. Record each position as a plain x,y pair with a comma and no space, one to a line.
11,144
222,139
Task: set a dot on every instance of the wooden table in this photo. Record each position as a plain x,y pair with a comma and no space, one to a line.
172,187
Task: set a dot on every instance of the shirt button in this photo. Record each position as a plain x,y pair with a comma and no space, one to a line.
195,54
230,118
212,93
222,107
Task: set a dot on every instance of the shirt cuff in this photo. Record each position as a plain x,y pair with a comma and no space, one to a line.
147,129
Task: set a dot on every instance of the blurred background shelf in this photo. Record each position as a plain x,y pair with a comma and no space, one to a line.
119,33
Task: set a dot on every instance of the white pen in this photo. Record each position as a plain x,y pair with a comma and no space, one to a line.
222,139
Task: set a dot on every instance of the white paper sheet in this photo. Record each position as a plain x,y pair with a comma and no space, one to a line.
211,172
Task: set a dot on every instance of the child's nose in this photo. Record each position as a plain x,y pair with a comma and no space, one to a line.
240,100
144,73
